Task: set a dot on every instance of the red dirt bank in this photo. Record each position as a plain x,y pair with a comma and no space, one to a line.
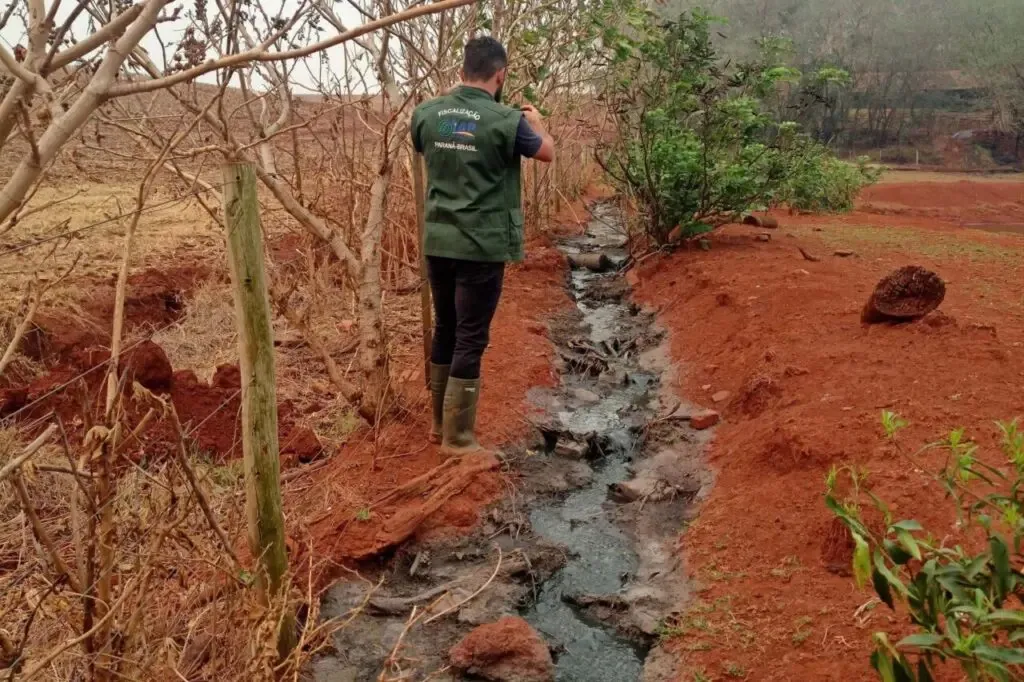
808,383
348,509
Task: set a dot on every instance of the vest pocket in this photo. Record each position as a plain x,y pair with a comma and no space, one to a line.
515,232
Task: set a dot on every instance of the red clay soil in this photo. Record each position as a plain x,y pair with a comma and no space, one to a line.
75,348
355,505
808,382
962,202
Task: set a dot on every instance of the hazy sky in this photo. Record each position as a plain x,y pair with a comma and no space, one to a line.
15,33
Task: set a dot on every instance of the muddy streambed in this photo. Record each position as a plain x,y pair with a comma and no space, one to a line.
585,545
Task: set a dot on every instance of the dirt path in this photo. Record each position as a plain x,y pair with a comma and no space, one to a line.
805,386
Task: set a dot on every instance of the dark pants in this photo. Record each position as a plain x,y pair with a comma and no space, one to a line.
465,295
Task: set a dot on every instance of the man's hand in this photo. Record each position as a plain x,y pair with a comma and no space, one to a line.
546,153
533,117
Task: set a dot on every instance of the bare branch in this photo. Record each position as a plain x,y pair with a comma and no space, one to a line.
261,55
31,449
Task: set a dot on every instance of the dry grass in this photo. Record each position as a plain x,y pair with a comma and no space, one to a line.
166,226
194,617
205,337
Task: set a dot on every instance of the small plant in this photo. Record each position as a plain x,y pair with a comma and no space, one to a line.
789,566
670,628
364,514
965,604
735,670
802,632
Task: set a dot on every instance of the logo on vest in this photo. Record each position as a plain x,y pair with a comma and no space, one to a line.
456,129
453,127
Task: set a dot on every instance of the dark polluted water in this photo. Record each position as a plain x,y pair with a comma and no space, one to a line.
600,555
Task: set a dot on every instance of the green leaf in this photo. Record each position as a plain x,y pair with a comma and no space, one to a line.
909,543
1001,565
882,588
904,673
992,653
882,662
898,555
1005,618
893,580
908,525
861,560
921,640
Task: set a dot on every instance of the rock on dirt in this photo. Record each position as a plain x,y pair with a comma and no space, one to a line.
704,420
508,650
721,396
302,444
148,364
905,294
586,396
571,449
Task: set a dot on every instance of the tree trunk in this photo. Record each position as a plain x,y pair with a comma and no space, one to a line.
259,397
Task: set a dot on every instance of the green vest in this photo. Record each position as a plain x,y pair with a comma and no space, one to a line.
473,206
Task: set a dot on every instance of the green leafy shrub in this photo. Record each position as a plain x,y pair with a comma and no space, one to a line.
965,604
818,182
696,146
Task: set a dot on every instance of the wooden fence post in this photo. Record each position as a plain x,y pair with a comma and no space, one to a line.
419,198
259,395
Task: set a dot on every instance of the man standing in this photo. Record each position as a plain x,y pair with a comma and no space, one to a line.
472,146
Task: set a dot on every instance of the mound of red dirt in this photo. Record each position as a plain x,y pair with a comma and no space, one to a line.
508,650
154,298
346,509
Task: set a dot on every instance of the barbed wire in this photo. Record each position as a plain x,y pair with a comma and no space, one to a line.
79,230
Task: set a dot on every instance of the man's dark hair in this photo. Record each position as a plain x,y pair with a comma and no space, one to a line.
484,57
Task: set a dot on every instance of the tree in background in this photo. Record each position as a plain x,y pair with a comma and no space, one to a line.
695,147
992,46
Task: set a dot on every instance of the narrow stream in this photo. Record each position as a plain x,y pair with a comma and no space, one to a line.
591,565
604,399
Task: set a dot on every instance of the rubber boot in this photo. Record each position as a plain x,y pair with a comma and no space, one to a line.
438,384
460,403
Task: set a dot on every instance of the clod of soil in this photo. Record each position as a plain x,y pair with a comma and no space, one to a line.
148,364
704,420
302,444
906,294
227,376
837,548
508,650
758,394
